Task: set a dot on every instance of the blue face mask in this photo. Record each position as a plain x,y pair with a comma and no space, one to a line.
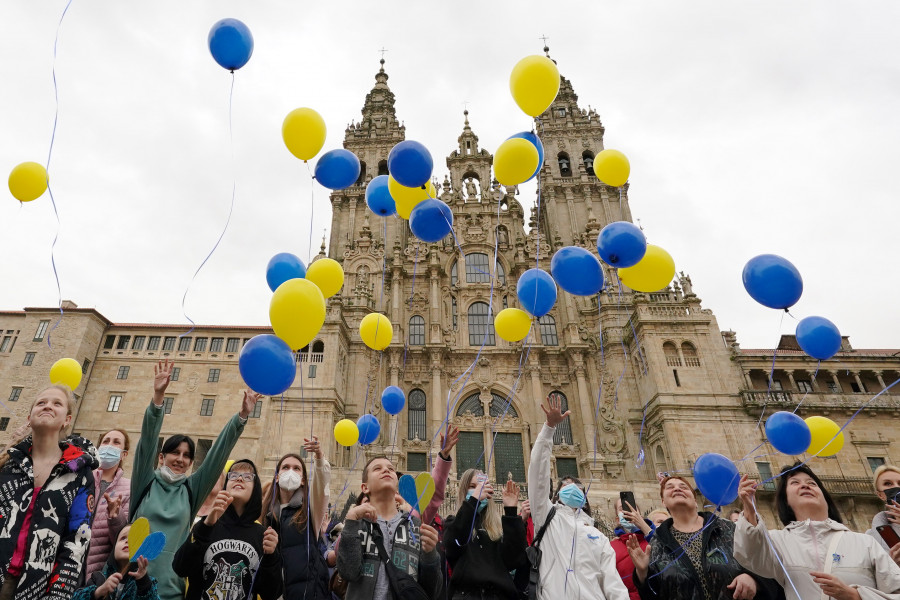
481,505
571,496
108,456
626,524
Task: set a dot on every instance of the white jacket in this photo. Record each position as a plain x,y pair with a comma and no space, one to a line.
578,562
823,546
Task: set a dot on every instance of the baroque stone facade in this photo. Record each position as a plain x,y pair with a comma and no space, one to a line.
651,380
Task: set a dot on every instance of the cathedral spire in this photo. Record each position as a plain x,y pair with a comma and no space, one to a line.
379,117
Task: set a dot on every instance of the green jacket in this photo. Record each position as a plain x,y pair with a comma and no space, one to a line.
168,506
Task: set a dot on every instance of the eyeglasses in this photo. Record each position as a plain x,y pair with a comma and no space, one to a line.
248,477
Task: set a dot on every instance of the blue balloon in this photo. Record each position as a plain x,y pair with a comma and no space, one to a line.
369,428
536,291
717,478
284,266
393,400
337,169
378,198
410,164
621,244
577,271
788,433
773,281
818,337
534,139
230,43
431,220
267,365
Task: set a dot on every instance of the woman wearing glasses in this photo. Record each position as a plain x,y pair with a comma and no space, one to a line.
229,554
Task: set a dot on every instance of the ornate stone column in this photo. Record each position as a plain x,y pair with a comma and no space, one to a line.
859,382
837,383
790,375
879,376
584,402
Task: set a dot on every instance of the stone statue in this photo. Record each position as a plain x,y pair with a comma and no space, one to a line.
471,190
686,284
503,236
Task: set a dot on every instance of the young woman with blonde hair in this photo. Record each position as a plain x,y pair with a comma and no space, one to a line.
483,547
46,500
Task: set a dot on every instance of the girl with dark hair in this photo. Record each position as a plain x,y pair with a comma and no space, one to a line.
295,505
577,559
815,555
167,496
691,555
229,554
483,547
46,501
112,491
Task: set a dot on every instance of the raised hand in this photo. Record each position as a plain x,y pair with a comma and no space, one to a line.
640,558
363,511
747,493
448,440
113,505
222,502
554,414
483,490
270,541
511,494
142,568
109,586
162,374
526,510
250,400
429,537
744,587
634,517
312,446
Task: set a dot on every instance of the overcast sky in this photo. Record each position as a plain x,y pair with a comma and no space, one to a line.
763,127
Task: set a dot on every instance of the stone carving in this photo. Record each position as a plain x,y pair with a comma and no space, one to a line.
471,190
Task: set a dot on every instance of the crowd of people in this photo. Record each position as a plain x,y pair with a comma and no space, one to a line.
66,511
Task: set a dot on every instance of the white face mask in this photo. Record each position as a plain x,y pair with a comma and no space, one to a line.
170,476
289,480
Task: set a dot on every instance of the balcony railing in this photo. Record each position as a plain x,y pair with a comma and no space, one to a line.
313,357
835,484
813,401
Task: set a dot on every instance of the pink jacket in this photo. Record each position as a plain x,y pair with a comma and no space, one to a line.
105,530
439,473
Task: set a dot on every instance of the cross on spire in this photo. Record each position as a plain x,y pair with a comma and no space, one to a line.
544,38
383,50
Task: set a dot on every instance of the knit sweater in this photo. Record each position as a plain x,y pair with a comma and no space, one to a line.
60,524
168,506
105,530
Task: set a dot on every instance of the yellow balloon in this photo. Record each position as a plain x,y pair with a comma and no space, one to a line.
327,274
515,161
407,198
303,132
534,83
612,167
823,430
297,312
66,371
512,324
653,273
346,433
27,181
376,331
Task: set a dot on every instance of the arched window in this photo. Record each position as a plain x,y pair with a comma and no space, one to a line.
417,331
416,414
362,174
671,352
565,165
478,269
660,460
548,331
587,157
318,346
481,325
501,274
382,167
499,408
563,433
472,404
454,312
690,355
454,274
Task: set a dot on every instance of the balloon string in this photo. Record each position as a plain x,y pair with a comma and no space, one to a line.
312,211
49,188
818,364
230,210
771,375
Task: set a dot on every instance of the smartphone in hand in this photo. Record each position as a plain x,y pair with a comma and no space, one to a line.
888,534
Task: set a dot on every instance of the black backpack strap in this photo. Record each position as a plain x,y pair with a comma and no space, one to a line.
540,533
377,538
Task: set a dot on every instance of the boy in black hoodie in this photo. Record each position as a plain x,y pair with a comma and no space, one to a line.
229,554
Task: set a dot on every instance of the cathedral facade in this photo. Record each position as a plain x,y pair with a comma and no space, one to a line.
651,380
